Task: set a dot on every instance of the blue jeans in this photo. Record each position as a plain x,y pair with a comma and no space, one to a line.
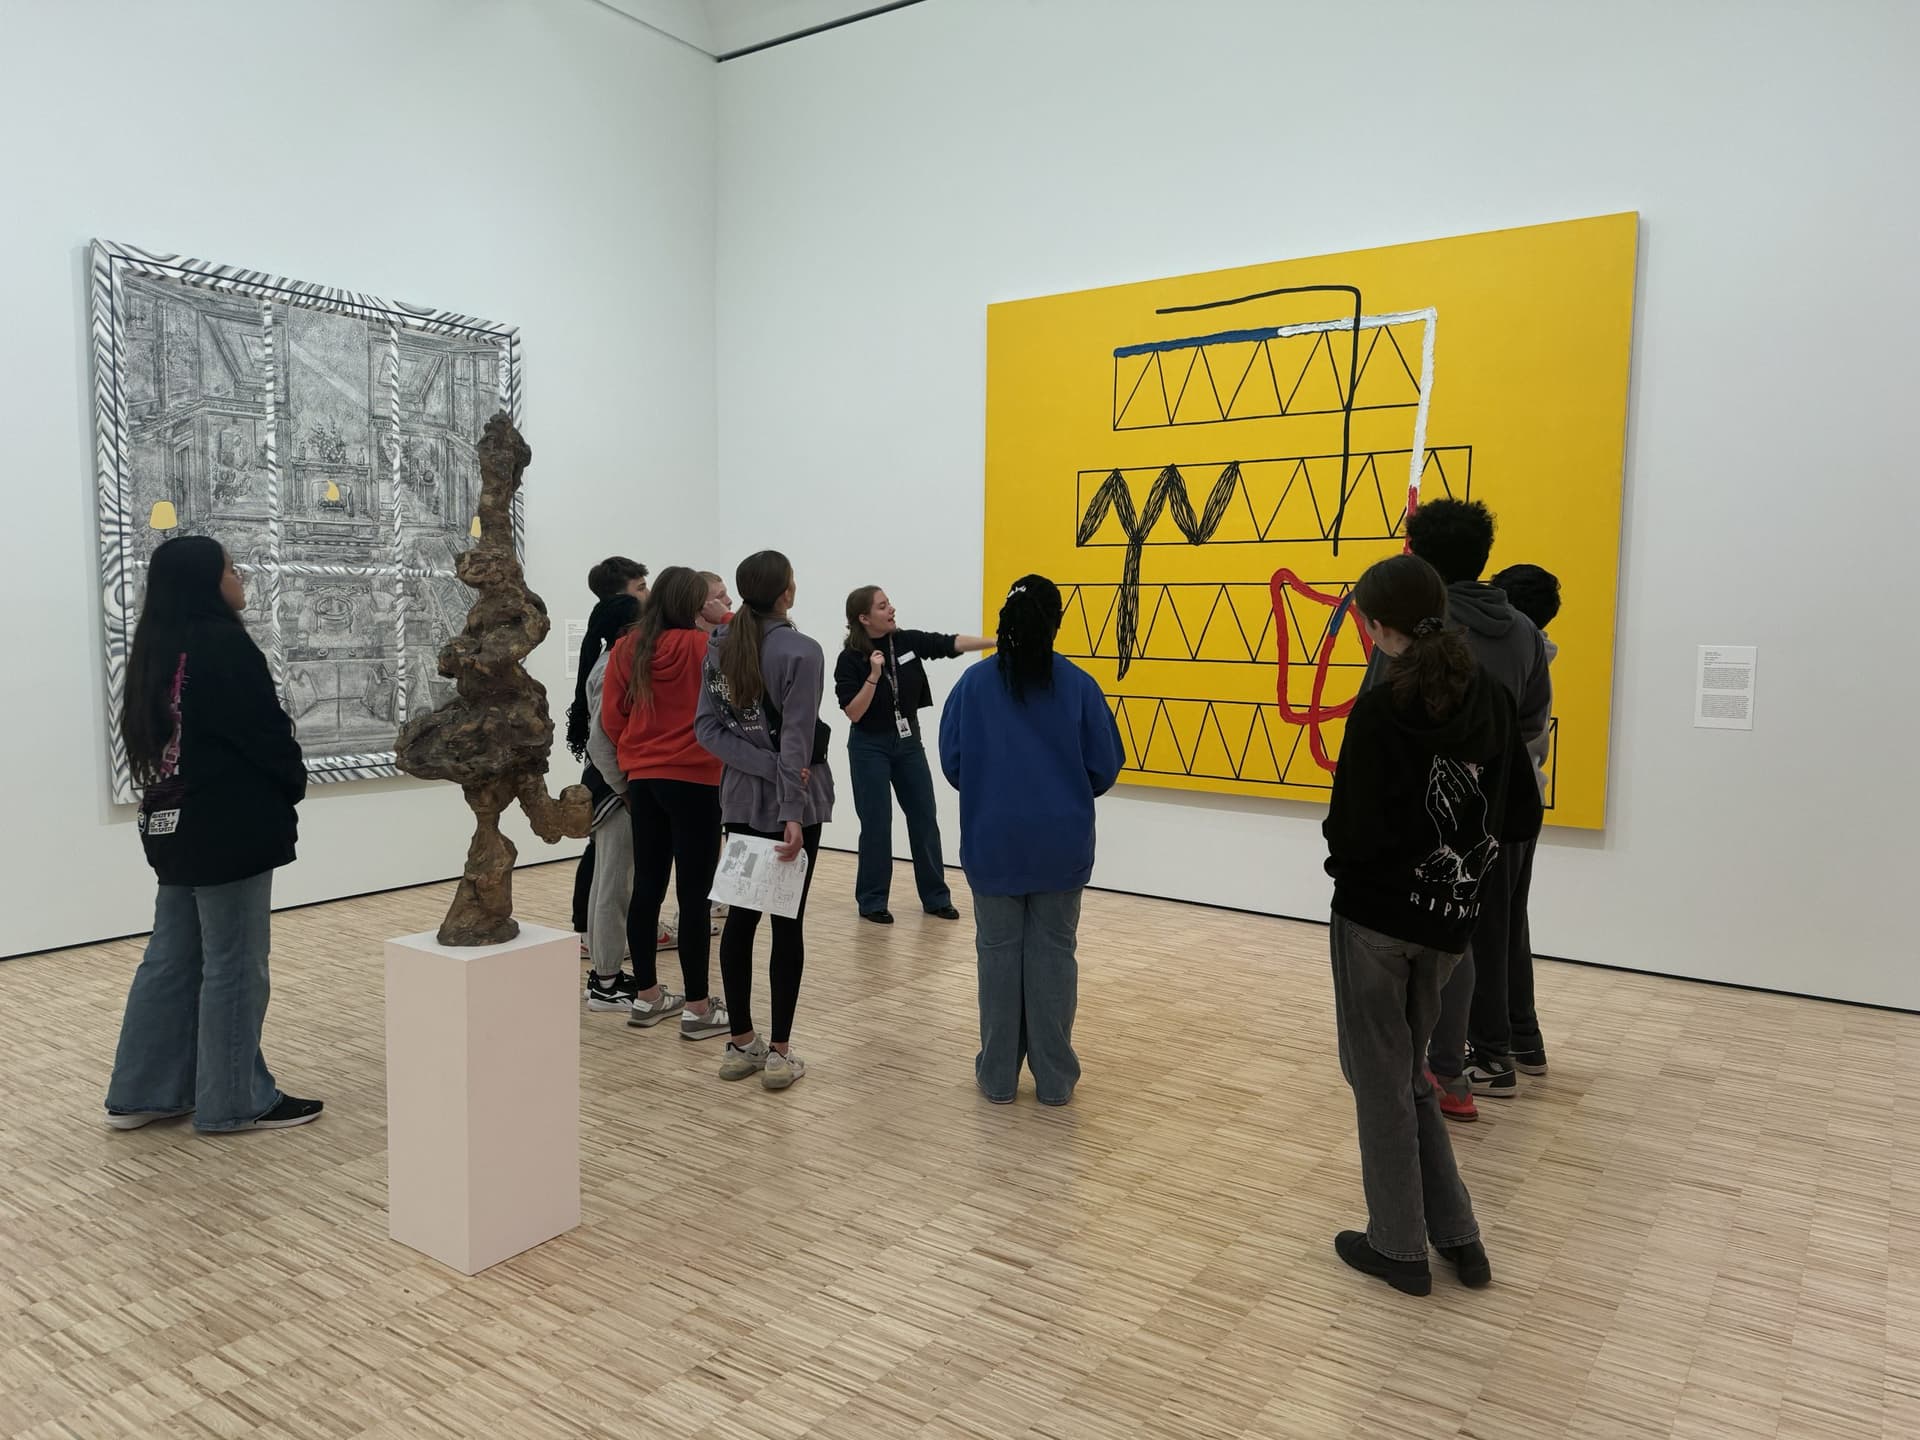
879,764
191,1037
1029,990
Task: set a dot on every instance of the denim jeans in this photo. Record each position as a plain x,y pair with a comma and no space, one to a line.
879,764
1387,996
1029,990
191,1037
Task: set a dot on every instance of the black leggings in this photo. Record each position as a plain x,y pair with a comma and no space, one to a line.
676,829
789,956
582,888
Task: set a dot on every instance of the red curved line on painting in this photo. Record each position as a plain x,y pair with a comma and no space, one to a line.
1317,712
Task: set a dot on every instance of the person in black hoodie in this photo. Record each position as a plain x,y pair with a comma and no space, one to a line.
1432,783
1487,1014
220,774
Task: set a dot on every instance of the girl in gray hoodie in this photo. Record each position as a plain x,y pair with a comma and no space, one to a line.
760,713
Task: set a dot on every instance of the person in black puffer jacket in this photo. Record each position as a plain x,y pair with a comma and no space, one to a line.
220,774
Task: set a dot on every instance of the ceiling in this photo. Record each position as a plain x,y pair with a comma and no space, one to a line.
722,27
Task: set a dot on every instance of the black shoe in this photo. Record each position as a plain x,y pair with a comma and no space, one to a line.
613,992
945,912
878,917
1530,1062
1409,1277
1470,1263
288,1113
1492,1075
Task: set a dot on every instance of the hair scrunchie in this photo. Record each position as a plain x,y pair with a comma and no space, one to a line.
1432,625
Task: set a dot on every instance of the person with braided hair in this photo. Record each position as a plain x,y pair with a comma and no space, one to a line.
1030,743
1433,784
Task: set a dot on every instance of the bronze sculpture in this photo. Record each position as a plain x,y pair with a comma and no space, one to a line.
493,738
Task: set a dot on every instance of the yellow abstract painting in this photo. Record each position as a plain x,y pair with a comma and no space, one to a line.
1205,465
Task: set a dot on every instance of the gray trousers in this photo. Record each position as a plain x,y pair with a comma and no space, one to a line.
1029,989
612,892
1386,995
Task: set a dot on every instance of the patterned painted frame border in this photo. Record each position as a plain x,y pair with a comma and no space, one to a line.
109,264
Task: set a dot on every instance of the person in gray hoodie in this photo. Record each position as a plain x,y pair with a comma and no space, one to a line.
759,712
1481,1030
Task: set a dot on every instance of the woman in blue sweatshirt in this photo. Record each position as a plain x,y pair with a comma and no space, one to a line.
1029,743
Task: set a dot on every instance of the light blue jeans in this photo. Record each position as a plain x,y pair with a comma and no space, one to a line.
1029,990
191,1037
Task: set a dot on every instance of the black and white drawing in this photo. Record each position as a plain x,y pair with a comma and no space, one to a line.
326,438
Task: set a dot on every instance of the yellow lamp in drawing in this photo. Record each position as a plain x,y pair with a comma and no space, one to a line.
162,516
474,529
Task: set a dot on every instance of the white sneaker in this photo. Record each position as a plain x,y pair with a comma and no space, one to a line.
738,1064
669,935
782,1070
651,1012
134,1119
705,1027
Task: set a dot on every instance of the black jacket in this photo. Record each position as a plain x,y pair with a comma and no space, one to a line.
1420,809
223,810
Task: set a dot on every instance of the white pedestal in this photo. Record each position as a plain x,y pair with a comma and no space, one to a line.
483,1095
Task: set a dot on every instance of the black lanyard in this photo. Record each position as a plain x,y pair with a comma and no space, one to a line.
893,676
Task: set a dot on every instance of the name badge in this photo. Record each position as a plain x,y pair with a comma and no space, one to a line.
904,725
906,658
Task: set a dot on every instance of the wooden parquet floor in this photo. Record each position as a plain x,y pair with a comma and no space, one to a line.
1705,1222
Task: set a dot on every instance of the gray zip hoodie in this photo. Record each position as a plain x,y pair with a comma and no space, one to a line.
761,787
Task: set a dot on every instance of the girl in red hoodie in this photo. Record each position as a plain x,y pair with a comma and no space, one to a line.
673,793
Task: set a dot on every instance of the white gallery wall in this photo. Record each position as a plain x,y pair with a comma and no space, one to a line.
545,163
882,184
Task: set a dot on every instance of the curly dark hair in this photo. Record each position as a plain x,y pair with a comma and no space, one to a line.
1453,536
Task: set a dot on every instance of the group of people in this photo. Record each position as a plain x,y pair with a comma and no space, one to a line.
696,716
694,720
1437,802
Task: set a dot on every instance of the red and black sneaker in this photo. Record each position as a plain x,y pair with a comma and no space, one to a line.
1456,1097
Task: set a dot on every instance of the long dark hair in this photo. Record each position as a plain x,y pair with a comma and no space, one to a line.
677,598
1029,620
761,580
1407,594
183,590
860,603
610,617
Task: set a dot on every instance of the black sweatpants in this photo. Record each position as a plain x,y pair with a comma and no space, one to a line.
676,830
1503,1021
789,956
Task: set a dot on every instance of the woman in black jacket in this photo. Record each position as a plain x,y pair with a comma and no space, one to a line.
1432,782
220,775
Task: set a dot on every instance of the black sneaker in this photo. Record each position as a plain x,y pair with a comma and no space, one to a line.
612,992
878,917
1409,1277
288,1113
945,912
1470,1263
1492,1075
1530,1062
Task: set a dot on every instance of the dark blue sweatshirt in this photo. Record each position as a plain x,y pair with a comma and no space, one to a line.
1027,772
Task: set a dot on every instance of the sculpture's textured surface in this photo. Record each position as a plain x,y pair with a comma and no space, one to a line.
493,739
